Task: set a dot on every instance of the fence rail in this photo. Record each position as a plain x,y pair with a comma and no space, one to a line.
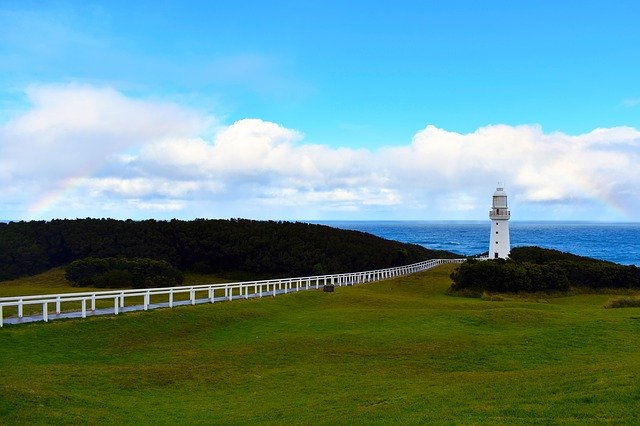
84,304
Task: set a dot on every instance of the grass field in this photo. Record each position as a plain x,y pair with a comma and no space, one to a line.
54,282
399,351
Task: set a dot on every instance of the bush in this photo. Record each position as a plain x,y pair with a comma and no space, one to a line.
532,269
623,302
508,276
120,272
114,278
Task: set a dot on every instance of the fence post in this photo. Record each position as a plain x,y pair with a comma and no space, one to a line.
20,308
1,317
171,297
58,305
116,304
84,307
93,302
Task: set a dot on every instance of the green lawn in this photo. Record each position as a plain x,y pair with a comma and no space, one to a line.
399,351
54,282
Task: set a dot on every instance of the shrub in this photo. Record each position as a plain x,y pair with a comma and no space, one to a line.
533,269
122,272
500,276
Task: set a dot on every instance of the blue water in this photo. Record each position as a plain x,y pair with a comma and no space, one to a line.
616,242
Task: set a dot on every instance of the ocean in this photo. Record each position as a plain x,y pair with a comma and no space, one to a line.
615,242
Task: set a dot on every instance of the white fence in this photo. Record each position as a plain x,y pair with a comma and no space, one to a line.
113,302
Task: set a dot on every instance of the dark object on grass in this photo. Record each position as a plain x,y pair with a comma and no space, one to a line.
328,288
623,302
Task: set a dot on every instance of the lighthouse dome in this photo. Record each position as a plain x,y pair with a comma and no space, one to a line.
499,192
500,198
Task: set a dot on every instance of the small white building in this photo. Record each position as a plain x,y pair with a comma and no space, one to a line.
499,246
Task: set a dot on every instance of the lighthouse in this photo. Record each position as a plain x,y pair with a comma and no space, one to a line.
499,246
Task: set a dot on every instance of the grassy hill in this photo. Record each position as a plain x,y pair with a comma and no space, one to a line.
398,351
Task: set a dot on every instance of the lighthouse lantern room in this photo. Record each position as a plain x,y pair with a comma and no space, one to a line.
499,246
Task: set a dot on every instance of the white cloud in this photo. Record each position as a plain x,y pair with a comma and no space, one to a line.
158,206
83,150
142,187
80,110
71,130
254,146
537,167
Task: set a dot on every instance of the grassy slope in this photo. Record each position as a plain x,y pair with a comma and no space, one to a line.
397,351
50,282
54,282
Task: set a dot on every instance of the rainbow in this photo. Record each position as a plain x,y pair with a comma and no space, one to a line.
66,186
36,209
605,198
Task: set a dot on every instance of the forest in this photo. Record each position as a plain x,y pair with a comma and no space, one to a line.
532,269
203,246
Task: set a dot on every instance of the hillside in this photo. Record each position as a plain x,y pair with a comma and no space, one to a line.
394,352
204,246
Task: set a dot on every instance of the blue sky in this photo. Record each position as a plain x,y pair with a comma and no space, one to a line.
319,109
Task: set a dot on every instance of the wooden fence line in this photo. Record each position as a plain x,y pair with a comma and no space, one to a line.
86,302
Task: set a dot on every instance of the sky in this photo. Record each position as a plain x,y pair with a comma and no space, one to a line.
319,110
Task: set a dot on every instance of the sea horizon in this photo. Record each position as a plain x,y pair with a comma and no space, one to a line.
610,241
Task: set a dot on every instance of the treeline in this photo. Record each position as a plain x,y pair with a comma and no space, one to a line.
531,269
206,246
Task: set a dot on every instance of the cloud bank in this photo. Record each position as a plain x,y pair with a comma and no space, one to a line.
93,151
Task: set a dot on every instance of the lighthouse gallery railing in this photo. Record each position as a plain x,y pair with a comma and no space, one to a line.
208,293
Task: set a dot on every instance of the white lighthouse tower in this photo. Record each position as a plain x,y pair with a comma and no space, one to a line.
499,246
